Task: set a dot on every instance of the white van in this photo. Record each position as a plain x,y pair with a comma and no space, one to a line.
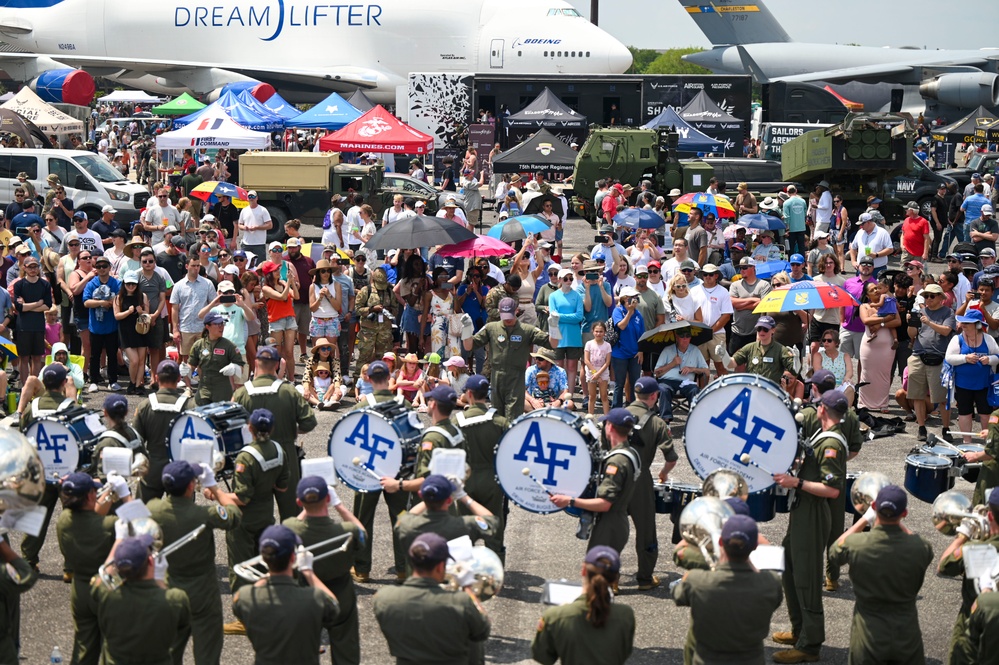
90,180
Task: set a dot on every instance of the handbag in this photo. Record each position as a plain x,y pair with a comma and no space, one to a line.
142,324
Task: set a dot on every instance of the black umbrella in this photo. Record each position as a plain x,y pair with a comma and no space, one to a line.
536,205
12,123
659,338
419,231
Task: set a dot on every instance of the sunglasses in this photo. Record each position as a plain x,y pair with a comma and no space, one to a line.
325,348
687,270
206,249
681,287
74,244
744,267
162,196
85,258
360,258
239,259
653,271
322,270
567,279
50,219
149,261
223,256
828,341
322,372
763,330
103,266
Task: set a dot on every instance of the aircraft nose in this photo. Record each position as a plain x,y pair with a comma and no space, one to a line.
619,58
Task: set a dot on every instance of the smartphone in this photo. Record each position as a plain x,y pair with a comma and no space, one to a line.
634,301
599,239
592,276
227,300
344,262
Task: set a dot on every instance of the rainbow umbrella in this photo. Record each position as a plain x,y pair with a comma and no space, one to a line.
805,295
719,205
477,246
210,191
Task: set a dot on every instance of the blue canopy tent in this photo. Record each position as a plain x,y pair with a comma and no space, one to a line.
240,114
247,99
332,113
280,106
691,140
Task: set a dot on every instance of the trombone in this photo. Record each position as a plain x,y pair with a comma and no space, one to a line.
254,570
108,574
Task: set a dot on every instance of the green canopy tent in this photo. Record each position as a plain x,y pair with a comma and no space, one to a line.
183,105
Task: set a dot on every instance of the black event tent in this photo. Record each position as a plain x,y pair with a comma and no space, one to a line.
360,101
963,131
541,152
704,114
547,111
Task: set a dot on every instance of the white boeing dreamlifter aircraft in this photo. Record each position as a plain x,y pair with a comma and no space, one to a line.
300,46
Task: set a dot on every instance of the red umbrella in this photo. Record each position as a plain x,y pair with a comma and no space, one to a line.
477,246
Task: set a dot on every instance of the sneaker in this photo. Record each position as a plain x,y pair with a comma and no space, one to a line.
360,577
911,418
114,387
303,358
234,628
649,585
92,388
831,584
785,637
67,578
922,433
795,656
946,436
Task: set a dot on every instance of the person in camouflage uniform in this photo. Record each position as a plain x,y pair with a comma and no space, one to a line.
375,307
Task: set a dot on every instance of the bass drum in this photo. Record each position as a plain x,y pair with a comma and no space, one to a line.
383,437
739,414
65,440
225,423
561,450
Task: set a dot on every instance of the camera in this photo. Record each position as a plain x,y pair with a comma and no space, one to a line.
914,319
227,299
633,300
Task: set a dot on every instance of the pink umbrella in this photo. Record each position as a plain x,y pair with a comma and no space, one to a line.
477,246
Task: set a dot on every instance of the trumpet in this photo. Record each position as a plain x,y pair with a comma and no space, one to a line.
952,508
254,570
108,574
488,571
139,469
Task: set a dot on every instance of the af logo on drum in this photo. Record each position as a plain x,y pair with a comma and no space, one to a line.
534,444
382,438
370,442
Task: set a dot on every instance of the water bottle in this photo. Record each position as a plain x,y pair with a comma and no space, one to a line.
56,656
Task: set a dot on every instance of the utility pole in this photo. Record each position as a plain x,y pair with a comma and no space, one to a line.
594,11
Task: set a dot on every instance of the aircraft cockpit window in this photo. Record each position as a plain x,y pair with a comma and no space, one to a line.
559,11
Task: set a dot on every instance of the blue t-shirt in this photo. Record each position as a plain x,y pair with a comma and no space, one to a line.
450,263
627,343
972,207
598,310
102,321
472,307
794,213
570,311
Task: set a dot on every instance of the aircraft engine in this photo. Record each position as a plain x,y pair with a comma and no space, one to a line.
966,90
260,91
64,86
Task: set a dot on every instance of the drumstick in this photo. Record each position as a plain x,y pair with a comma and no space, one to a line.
527,472
357,462
982,433
745,459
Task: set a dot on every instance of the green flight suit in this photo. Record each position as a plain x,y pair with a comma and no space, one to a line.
209,357
140,621
444,524
448,437
256,484
423,623
960,649
192,570
11,589
988,476
850,428
770,362
334,571
509,348
366,504
654,435
482,430
85,540
564,635
374,338
730,611
887,567
281,398
984,627
806,539
120,436
152,421
284,621
47,404
689,557
617,484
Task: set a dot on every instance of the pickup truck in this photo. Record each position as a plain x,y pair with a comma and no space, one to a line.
981,162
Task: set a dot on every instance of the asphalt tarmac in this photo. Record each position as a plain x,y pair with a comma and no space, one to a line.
544,547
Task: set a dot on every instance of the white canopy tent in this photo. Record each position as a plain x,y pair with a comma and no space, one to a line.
130,96
213,130
47,117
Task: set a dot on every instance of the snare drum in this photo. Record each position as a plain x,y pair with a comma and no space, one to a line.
927,476
664,497
221,422
762,505
680,495
737,414
384,437
970,470
66,440
946,452
848,489
562,451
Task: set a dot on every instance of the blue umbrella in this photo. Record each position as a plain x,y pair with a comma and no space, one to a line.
518,228
767,269
639,218
762,222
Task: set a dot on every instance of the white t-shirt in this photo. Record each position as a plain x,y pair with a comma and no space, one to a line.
823,212
717,301
89,240
391,215
351,224
161,217
878,240
254,217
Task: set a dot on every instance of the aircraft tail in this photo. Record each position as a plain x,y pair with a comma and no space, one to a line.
732,22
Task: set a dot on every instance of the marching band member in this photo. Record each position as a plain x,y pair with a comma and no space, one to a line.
482,428
591,629
651,434
268,391
86,535
951,564
988,476
432,515
141,616
261,473
314,525
16,578
731,606
821,478
152,421
447,625
284,620
983,626
365,503
217,360
887,567
618,473
119,434
192,568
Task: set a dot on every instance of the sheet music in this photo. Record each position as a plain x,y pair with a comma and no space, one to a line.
768,557
132,510
93,421
197,451
448,462
980,561
117,460
560,593
460,549
30,520
322,467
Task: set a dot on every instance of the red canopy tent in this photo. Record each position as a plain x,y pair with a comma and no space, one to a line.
378,131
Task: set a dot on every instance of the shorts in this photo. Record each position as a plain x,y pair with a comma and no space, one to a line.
81,325
849,342
303,315
324,328
287,323
925,379
187,340
559,233
817,328
970,401
708,348
569,353
30,343
157,334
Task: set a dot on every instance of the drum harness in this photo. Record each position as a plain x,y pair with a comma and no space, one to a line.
370,399
266,465
264,390
41,413
176,407
588,518
810,450
132,444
